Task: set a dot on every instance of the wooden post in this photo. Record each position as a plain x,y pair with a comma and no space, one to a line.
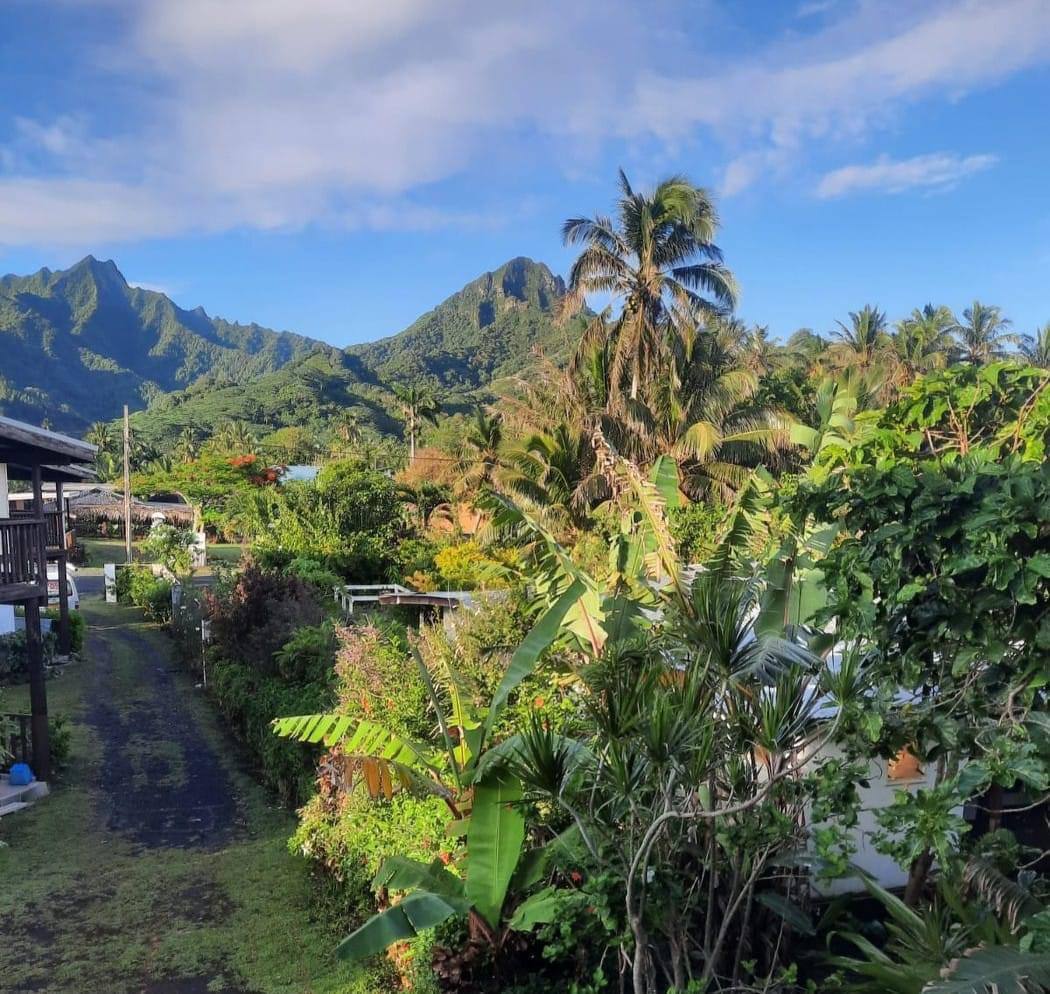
37,691
35,648
127,486
65,637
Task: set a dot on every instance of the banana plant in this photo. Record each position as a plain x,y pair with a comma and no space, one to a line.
467,771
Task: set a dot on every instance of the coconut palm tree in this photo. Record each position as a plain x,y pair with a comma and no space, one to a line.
923,340
1036,348
187,448
659,259
347,426
236,437
553,471
983,336
703,413
864,341
101,434
417,405
481,451
760,353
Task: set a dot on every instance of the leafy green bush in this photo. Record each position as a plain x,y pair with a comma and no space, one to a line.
308,656
272,654
466,566
169,545
316,574
364,558
348,835
14,656
416,555
250,700
77,627
695,527
150,593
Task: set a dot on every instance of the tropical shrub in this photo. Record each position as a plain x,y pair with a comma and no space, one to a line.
319,577
250,698
77,627
137,585
14,657
941,574
416,555
169,545
258,616
466,566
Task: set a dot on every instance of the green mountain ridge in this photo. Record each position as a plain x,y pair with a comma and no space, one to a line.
488,330
78,343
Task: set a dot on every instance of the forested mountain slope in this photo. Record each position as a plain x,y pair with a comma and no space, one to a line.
488,330
77,344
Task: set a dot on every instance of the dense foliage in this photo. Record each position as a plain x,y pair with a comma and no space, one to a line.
738,614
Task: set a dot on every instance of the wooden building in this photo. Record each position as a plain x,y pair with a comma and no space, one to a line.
29,540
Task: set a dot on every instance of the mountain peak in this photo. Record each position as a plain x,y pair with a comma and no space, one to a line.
102,270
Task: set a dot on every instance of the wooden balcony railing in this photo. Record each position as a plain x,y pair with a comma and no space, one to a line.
54,536
17,739
23,559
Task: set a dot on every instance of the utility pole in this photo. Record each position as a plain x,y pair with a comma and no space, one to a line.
127,485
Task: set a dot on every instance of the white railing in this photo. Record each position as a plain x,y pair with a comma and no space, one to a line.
350,595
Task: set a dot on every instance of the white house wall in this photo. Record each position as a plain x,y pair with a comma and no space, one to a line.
877,795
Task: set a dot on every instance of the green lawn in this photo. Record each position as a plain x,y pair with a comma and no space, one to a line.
111,550
89,910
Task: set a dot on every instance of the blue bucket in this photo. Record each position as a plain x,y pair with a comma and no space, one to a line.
21,775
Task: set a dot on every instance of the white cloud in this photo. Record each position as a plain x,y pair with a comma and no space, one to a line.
850,76
163,288
936,171
812,8
269,115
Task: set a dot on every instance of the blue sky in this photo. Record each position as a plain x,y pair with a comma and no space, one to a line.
337,168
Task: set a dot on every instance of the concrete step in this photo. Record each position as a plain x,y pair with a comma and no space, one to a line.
10,794
10,809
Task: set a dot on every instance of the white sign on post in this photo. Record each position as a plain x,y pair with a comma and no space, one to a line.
199,551
110,572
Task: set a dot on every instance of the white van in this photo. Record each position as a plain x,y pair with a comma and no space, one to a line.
52,586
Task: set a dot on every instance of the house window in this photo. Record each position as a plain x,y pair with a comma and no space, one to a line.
904,766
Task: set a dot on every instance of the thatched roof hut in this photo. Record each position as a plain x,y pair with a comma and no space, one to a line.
104,504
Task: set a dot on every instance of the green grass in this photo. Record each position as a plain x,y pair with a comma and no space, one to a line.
85,910
111,550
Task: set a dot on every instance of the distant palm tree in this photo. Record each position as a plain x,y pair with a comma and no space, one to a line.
417,405
347,426
481,451
864,341
187,447
236,437
659,259
1036,348
983,335
760,353
923,340
101,434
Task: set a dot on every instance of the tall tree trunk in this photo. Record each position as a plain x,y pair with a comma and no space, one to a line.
640,956
917,874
